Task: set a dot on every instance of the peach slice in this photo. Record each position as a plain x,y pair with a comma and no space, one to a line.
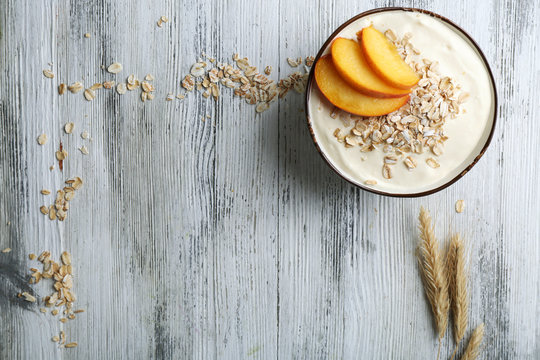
384,59
351,64
345,97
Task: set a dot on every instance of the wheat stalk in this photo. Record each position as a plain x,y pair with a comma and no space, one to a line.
457,285
473,349
433,273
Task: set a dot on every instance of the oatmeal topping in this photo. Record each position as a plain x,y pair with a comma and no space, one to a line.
418,125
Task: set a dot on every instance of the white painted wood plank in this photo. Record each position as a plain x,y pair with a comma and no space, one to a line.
246,168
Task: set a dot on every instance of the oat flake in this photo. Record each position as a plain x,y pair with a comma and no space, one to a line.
114,68
121,88
460,206
108,84
42,139
68,128
48,74
197,69
89,94
75,87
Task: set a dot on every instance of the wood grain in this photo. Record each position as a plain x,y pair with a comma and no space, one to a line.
230,238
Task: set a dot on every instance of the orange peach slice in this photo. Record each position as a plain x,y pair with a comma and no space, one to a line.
384,59
353,67
345,97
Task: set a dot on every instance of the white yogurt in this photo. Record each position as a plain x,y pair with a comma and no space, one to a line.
467,133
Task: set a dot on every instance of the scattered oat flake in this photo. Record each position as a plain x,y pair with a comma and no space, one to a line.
61,214
215,91
89,94
87,35
133,85
410,162
84,150
188,83
42,139
68,128
197,69
62,88
164,18
149,77
292,62
390,35
6,250
76,182
75,87
147,87
32,256
121,88
71,345
268,70
55,338
437,149
52,213
460,206
44,210
114,68
28,297
335,112
262,107
108,84
48,74
45,192
463,97
78,311
432,163
387,172
310,60
61,154
96,86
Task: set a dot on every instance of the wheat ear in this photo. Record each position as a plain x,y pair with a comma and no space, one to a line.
433,273
473,349
457,286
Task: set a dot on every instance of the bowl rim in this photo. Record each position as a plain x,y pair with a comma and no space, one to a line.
311,82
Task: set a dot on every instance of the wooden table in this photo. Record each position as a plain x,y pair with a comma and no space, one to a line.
230,238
